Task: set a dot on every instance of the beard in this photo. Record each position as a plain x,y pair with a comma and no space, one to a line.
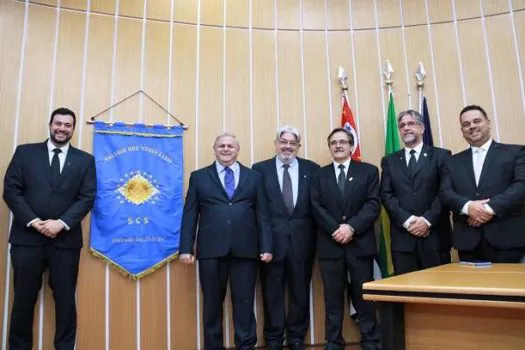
52,136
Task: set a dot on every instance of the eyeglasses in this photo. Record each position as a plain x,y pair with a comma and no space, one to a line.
289,143
409,124
334,143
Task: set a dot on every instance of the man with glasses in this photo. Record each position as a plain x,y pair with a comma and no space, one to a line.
345,201
420,226
287,182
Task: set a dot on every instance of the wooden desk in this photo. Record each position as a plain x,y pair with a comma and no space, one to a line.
452,307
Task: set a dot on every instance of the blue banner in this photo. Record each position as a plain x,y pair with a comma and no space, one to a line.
135,222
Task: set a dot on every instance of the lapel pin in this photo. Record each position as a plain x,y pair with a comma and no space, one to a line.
350,179
424,154
304,176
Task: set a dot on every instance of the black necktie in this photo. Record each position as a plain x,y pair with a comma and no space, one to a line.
341,178
287,189
412,163
55,166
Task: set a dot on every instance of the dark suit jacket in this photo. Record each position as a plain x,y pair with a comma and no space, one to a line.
360,208
403,197
29,193
238,226
502,180
300,226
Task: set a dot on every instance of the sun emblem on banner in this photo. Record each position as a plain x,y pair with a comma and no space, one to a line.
137,187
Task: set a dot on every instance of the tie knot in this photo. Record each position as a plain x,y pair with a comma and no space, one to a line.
228,170
412,152
341,166
286,166
57,151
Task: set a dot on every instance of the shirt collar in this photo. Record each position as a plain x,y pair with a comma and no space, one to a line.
418,149
346,164
51,147
484,146
220,167
280,163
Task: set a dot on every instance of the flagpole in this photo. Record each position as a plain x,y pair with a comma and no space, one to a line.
420,78
387,74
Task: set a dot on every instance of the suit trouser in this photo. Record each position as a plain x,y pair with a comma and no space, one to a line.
334,274
275,276
214,275
418,259
485,251
29,263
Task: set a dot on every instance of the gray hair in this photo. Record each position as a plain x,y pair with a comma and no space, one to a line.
290,129
414,114
225,134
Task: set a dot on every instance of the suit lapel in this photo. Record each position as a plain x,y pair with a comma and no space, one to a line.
401,161
487,164
44,158
424,157
351,176
466,158
330,175
243,175
212,171
69,162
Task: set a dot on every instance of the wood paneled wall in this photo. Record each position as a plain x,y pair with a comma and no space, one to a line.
245,66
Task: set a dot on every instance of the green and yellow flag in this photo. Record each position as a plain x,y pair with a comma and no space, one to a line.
391,145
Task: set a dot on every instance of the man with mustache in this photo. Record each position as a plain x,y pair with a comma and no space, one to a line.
226,204
287,182
345,201
49,187
420,226
484,186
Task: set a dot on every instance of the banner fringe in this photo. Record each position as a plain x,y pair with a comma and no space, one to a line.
125,272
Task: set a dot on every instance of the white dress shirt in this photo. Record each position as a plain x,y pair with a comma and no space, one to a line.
418,149
337,170
293,170
61,156
234,167
478,159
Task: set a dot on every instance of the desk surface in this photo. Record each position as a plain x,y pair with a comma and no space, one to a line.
496,285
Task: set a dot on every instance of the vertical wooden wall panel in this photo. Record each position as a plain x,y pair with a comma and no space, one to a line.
277,100
91,280
372,113
439,10
388,13
313,12
183,296
263,14
290,77
474,63
505,80
153,308
337,14
288,14
418,50
11,32
391,42
450,95
123,291
265,118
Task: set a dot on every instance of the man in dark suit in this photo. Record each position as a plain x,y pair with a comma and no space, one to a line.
345,200
286,183
420,226
484,186
49,187
227,205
